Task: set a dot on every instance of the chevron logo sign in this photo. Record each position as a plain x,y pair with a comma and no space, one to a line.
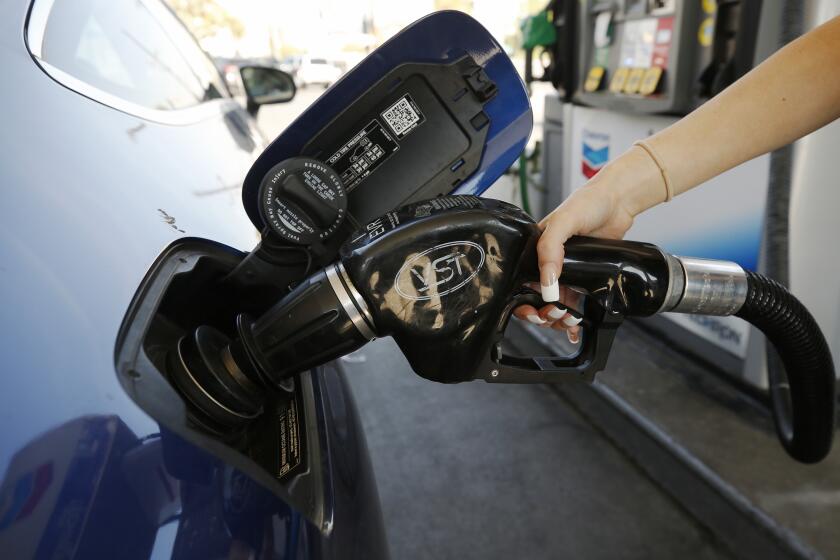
596,152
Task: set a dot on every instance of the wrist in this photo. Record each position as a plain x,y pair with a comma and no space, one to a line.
633,180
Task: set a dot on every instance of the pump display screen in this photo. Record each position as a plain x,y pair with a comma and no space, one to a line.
637,43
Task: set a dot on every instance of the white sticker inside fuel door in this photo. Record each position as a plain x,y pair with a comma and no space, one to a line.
403,116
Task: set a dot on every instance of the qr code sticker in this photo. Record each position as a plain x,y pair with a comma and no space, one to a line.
402,116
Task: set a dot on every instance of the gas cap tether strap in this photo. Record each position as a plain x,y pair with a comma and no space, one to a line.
669,190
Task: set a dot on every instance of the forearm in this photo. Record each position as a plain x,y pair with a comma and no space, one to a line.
791,94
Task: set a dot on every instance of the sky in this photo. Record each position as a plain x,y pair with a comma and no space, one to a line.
322,26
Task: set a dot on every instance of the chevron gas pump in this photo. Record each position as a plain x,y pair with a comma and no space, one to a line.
641,66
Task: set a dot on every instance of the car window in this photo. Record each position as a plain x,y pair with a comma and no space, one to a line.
135,50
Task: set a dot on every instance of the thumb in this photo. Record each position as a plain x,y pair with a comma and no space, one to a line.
557,228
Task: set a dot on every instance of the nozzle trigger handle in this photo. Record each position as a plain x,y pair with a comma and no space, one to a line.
599,326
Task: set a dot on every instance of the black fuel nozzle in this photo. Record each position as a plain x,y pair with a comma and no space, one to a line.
442,277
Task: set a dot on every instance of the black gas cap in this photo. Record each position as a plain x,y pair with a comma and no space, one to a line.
303,200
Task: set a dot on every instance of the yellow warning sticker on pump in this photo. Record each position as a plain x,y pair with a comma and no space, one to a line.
650,81
706,33
634,80
594,79
619,79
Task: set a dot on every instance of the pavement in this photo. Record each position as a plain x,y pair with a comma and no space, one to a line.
729,432
487,471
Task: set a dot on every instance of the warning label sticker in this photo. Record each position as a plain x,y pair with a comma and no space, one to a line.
363,153
290,447
403,116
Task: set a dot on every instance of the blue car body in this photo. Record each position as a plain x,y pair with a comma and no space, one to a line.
92,195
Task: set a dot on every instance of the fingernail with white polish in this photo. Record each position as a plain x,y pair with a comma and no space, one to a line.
548,282
556,312
536,319
573,337
571,321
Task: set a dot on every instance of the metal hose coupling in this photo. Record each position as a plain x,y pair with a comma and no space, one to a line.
705,286
803,398
351,300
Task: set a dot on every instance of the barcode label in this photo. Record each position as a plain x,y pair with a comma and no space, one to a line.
403,116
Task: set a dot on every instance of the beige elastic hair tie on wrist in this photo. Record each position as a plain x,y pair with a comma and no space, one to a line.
669,191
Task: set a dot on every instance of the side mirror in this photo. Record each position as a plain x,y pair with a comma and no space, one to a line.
264,86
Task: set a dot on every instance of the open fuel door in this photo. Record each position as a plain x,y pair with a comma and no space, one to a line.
437,109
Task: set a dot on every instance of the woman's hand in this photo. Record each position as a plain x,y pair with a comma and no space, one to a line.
604,207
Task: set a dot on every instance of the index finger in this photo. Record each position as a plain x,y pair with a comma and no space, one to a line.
557,228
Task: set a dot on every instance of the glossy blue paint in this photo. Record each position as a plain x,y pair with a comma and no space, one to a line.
89,197
440,37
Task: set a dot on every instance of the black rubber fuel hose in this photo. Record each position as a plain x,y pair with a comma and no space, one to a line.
803,409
